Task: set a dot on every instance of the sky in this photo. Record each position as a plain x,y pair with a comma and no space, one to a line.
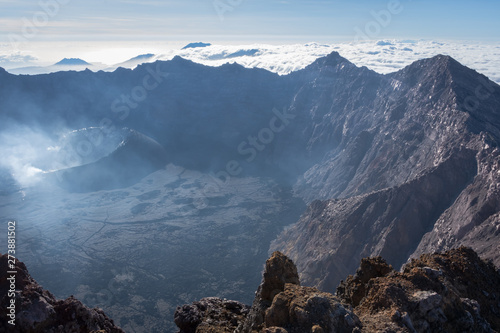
121,28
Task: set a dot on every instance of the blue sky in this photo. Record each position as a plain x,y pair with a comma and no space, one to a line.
255,20
34,32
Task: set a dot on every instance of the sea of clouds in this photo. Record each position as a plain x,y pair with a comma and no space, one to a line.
383,56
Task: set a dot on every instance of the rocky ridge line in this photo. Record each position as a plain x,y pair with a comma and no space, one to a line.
413,168
441,292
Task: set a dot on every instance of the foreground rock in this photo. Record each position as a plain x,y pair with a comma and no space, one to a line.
210,314
279,272
281,305
454,291
305,309
37,310
450,292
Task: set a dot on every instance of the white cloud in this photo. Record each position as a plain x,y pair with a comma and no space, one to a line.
16,60
383,56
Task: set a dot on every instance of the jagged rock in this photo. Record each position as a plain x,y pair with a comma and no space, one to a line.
354,288
448,292
454,291
210,315
304,309
464,273
37,310
279,271
281,305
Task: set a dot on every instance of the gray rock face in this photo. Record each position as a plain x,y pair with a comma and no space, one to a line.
414,168
37,310
332,236
474,218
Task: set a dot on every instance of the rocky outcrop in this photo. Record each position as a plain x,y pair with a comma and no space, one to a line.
354,289
37,310
281,305
279,271
442,292
455,291
305,309
210,314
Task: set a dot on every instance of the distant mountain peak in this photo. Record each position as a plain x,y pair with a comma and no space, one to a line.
438,61
232,65
142,56
333,59
334,54
71,62
179,59
196,45
440,68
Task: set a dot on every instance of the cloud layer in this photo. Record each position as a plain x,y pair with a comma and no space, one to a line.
383,56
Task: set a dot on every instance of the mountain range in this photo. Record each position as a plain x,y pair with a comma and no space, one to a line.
394,165
383,56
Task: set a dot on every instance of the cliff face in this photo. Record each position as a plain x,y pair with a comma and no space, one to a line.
37,310
333,235
413,165
454,291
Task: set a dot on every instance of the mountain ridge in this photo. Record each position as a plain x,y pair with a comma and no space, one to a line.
402,164
71,62
455,291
